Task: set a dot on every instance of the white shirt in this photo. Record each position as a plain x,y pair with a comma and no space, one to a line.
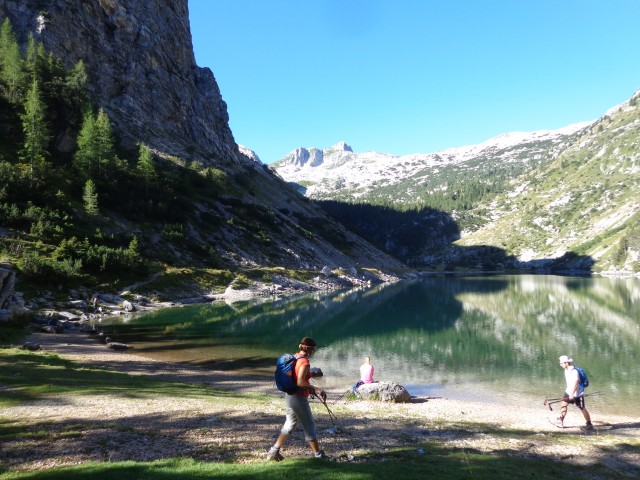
572,378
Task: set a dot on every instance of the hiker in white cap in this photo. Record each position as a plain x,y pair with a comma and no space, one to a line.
574,392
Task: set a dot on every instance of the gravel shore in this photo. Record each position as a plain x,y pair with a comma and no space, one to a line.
114,427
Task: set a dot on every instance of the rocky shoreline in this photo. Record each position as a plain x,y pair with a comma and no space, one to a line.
118,427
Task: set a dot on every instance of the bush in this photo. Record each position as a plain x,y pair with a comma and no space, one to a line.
47,270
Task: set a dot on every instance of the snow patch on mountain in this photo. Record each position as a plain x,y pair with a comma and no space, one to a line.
339,168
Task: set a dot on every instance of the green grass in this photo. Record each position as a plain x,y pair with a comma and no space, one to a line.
435,462
28,376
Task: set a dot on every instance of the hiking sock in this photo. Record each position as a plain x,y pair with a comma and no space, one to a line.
274,454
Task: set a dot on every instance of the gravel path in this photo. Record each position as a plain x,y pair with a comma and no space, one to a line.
71,429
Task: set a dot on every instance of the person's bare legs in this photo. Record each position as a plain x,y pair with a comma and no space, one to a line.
563,411
281,439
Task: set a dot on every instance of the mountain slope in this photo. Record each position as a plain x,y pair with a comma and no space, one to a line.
226,210
585,202
564,199
337,173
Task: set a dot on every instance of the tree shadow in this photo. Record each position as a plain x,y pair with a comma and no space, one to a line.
425,238
184,445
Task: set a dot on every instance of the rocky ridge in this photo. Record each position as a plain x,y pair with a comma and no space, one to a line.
142,72
139,57
339,173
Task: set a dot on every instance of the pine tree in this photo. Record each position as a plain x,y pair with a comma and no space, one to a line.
85,155
6,38
35,131
12,73
90,198
105,145
96,149
75,84
36,62
145,166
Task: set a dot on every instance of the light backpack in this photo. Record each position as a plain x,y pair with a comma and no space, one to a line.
583,381
285,366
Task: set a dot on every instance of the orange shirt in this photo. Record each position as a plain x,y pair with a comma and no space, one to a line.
302,361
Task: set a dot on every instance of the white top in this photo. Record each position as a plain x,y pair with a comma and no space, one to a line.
572,378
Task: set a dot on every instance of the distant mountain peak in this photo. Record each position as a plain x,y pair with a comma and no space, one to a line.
341,146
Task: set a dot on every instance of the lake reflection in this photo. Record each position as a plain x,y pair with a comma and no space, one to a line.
490,338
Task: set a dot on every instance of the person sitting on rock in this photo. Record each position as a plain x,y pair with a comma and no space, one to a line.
366,374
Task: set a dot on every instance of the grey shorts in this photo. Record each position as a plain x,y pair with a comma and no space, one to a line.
298,411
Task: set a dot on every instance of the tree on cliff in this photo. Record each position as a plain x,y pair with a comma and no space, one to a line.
96,151
35,131
145,167
11,64
90,198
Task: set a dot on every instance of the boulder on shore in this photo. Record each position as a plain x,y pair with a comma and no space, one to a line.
384,392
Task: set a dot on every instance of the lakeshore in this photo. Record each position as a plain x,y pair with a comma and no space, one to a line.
243,414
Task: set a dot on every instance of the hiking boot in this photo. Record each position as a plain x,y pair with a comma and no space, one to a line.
588,427
320,454
274,455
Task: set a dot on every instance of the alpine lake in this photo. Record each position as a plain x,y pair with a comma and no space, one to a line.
495,339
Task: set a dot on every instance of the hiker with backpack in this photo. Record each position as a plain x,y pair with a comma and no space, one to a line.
576,382
292,377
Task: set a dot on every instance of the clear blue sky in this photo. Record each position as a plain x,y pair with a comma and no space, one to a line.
413,76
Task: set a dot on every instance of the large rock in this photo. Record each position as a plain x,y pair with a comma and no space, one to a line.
384,391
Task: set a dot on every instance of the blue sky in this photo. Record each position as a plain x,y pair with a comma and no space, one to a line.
413,76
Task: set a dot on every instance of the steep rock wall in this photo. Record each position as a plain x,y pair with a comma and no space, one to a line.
139,57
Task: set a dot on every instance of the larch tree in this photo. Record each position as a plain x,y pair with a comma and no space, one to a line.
86,153
90,197
104,142
145,166
12,71
35,131
96,149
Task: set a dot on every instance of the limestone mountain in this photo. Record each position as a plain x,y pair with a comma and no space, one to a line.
562,199
584,204
142,72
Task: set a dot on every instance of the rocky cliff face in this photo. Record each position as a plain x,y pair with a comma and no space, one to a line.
142,72
142,69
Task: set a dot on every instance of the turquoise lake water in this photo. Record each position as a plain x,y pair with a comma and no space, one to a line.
494,338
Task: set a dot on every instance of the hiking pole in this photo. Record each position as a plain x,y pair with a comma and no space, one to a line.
332,416
549,401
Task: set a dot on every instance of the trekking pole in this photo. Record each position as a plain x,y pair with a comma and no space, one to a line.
550,401
332,416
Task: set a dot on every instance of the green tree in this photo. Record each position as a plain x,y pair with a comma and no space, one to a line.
36,63
90,197
35,131
12,71
145,166
105,144
84,156
96,150
76,83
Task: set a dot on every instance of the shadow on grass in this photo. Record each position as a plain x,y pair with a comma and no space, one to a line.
137,446
27,376
435,462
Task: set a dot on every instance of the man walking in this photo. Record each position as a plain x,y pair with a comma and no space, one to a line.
574,392
297,404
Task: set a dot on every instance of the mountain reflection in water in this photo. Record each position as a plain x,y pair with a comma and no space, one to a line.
492,338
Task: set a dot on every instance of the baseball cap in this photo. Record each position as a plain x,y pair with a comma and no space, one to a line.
565,359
